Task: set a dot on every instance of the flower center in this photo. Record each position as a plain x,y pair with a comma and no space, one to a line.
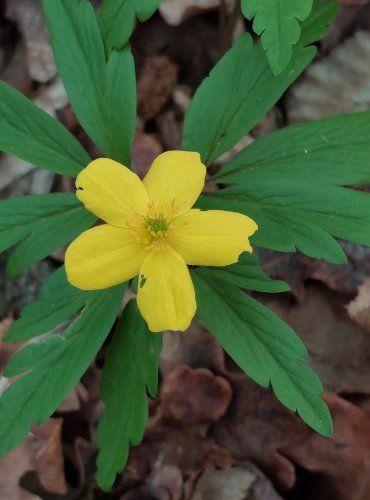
157,227
153,229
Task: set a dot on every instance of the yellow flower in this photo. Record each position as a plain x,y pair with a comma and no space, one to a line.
152,231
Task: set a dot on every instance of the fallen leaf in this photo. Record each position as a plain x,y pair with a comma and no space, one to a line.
241,482
165,483
156,83
73,401
339,349
339,467
40,452
31,22
16,73
189,396
338,83
170,124
175,12
197,348
49,461
6,349
145,149
359,308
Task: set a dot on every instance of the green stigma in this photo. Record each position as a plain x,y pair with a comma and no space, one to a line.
156,226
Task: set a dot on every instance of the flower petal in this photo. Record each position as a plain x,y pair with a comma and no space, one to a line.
111,191
175,178
213,237
102,257
166,296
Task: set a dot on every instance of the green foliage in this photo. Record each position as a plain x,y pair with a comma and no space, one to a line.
263,346
247,273
42,224
131,367
278,23
57,302
146,8
102,92
292,182
117,19
53,366
322,15
244,88
31,134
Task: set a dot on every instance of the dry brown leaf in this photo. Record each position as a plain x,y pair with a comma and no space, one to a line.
170,126
6,349
339,349
242,482
359,308
339,83
197,348
73,401
259,429
189,449
49,460
40,452
15,73
155,86
189,396
165,483
175,12
30,19
145,149
339,467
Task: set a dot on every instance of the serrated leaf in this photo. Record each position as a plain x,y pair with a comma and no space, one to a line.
131,366
102,92
264,347
42,224
31,134
277,21
53,367
239,91
117,19
246,273
293,182
57,301
316,26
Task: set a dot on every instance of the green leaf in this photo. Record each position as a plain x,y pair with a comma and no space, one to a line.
264,347
52,367
294,183
316,26
239,91
131,367
58,301
42,224
146,8
117,19
247,273
278,23
102,93
31,134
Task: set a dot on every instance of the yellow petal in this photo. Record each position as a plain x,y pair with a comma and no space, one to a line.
102,257
213,237
166,296
111,191
175,178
